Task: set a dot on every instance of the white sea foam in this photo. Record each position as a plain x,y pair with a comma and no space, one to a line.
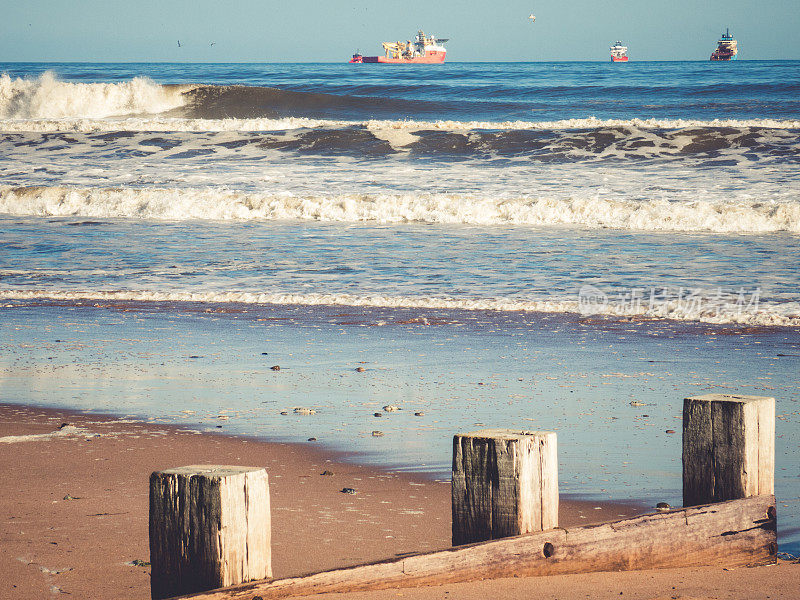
32,102
114,121
741,216
787,315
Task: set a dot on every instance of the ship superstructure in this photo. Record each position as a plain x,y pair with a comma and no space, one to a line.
619,53
423,50
726,48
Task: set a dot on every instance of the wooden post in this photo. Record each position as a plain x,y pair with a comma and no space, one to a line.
728,448
209,528
505,483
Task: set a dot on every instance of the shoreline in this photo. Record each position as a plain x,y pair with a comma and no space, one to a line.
77,519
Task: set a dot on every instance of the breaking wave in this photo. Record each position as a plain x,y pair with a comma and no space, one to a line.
742,216
46,104
45,97
767,315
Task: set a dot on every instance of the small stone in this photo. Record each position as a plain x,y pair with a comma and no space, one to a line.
662,506
377,433
360,369
670,431
391,408
304,411
348,491
419,414
327,473
275,367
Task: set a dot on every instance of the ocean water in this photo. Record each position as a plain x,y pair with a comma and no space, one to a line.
570,236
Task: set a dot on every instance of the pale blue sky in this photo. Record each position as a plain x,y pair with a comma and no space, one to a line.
316,31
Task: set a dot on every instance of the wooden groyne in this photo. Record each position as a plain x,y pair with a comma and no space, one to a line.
505,511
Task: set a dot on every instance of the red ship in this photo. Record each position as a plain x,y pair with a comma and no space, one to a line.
423,50
619,53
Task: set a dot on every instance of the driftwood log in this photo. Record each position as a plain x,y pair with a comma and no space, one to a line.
505,483
730,534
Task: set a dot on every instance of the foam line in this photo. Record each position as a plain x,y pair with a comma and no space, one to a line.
767,315
741,216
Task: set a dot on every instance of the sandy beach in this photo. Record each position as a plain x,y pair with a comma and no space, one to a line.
74,515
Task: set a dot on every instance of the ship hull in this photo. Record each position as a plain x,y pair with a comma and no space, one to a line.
431,58
619,59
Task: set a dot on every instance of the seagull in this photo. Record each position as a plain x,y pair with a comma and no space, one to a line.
179,43
532,18
212,43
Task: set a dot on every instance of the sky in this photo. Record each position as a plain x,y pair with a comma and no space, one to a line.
332,30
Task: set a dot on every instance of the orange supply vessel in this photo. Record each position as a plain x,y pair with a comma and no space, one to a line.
423,50
619,53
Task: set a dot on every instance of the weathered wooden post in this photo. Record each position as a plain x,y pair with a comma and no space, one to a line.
209,528
728,448
505,483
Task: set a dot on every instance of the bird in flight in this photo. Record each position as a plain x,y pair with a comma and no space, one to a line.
532,18
179,43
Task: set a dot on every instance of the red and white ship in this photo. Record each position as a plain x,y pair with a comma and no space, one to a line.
619,53
423,50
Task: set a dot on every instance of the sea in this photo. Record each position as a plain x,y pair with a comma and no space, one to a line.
568,246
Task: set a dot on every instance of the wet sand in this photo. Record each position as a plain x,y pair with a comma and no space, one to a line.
75,507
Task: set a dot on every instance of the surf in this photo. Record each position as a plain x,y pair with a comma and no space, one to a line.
740,217
46,97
